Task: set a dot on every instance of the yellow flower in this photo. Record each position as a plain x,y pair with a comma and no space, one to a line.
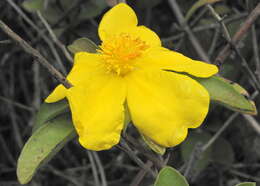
132,69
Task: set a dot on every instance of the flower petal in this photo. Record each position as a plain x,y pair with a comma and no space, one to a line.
120,17
145,34
57,94
163,105
162,58
85,67
98,112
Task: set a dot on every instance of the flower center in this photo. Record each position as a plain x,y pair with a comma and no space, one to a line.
120,51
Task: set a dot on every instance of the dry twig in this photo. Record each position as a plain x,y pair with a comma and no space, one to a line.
38,57
225,52
176,10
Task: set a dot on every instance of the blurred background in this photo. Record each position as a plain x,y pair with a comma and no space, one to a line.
190,28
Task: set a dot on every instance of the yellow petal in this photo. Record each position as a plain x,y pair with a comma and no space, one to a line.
98,112
58,93
163,105
146,35
86,67
162,58
120,17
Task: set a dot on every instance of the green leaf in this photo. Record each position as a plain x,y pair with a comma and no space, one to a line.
33,5
222,152
48,111
197,5
43,145
229,94
188,146
154,146
169,176
83,45
247,184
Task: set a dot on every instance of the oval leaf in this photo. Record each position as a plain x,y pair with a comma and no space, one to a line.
229,94
247,184
169,176
43,145
83,45
49,111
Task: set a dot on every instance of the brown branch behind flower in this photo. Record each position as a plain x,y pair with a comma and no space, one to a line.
36,54
194,41
225,52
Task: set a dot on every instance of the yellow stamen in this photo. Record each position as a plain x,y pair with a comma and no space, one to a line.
120,51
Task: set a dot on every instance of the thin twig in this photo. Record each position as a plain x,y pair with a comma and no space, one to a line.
39,31
7,152
243,175
220,20
23,15
228,39
225,52
18,105
220,131
94,168
151,156
124,146
141,174
39,58
73,7
205,27
54,37
101,169
249,73
13,115
176,10
225,125
36,81
256,52
61,174
194,157
198,17
252,121
5,41
214,42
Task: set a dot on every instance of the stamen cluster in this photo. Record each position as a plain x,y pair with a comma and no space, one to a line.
120,51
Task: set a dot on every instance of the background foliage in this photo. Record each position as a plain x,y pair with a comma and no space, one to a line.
231,159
